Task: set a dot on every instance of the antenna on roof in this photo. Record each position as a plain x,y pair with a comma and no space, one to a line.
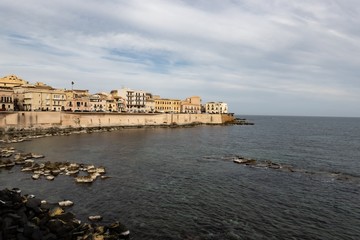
72,86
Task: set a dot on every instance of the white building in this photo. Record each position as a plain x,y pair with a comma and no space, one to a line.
133,100
216,107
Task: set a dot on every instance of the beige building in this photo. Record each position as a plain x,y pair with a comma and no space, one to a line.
150,103
97,103
108,101
191,105
77,100
11,81
166,105
39,97
119,101
6,99
216,107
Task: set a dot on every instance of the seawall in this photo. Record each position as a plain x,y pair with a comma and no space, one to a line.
16,121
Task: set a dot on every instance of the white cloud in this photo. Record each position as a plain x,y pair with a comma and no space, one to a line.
257,48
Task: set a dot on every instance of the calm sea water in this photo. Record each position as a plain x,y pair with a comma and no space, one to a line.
181,183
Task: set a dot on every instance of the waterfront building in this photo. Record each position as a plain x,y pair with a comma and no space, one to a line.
133,100
108,101
191,105
6,99
216,107
77,100
119,101
39,97
97,103
12,81
166,105
150,103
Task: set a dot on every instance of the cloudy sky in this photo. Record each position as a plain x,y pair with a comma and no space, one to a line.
267,57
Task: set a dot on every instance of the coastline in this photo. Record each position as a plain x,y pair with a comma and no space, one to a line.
22,124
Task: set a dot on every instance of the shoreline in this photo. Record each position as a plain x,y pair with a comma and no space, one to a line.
17,127
30,123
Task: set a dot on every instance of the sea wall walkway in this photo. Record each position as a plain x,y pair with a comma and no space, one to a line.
10,121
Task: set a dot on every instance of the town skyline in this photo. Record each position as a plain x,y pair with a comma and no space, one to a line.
73,86
17,94
261,57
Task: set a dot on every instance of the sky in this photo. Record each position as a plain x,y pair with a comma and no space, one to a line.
262,57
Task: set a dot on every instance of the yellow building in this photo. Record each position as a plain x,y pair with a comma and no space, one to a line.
191,105
39,97
165,105
11,81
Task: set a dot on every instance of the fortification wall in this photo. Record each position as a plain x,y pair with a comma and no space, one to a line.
29,120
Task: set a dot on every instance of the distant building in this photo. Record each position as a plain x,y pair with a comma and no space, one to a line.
119,101
77,100
97,103
12,81
216,107
6,99
166,105
191,105
109,102
150,103
133,100
39,97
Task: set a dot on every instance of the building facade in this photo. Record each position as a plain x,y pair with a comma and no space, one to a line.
150,103
216,107
191,105
166,105
77,100
6,99
134,101
39,97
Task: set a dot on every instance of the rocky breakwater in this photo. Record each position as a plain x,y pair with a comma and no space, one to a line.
268,164
27,217
82,173
239,121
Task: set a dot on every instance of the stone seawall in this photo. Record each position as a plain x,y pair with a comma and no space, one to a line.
15,121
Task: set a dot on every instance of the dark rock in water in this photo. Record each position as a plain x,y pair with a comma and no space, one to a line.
246,161
34,204
26,217
119,230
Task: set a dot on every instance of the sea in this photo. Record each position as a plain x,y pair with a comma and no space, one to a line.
182,183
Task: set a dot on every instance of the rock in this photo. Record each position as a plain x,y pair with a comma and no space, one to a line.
95,218
36,156
55,211
50,178
241,160
84,179
65,203
27,217
35,176
119,230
